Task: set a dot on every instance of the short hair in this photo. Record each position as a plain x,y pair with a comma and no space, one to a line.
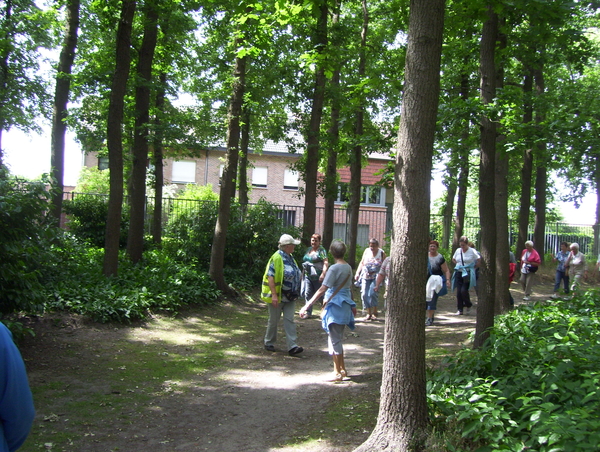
435,242
337,249
565,244
529,242
374,241
316,236
463,239
575,245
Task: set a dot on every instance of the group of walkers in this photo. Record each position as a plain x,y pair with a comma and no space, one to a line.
317,281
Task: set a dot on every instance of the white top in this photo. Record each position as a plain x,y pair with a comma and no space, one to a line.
469,256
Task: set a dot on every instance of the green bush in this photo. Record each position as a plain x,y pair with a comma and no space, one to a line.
87,215
27,234
534,386
158,283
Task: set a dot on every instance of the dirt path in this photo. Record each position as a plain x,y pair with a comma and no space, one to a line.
259,401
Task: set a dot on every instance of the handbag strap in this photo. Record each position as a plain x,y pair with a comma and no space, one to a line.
339,287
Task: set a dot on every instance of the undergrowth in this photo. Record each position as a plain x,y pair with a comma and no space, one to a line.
534,386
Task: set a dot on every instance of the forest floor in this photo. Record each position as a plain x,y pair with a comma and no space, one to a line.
202,381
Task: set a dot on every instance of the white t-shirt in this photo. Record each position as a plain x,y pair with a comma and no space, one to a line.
465,257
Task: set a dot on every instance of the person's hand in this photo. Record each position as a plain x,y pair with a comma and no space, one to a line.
275,301
376,288
304,309
354,311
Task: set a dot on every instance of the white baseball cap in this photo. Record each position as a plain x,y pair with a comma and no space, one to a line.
287,239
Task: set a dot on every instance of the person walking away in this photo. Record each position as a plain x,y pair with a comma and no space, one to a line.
280,289
530,262
314,269
367,271
339,309
562,274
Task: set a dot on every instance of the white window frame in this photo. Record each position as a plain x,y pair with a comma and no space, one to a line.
290,179
260,176
183,172
365,192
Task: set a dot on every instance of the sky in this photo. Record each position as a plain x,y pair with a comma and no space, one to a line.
29,156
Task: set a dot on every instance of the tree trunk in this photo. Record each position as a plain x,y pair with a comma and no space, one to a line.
217,255
243,164
4,73
61,99
114,137
527,170
449,206
463,175
158,160
487,282
331,176
541,173
314,128
596,180
137,194
403,415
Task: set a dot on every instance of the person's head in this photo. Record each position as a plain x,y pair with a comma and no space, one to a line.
374,244
463,242
529,245
337,249
564,246
315,240
287,243
575,247
433,246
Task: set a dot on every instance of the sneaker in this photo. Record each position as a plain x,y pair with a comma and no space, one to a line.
428,322
270,348
555,296
526,298
458,313
295,351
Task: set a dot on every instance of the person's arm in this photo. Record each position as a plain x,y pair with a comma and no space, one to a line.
318,294
359,269
446,271
378,281
325,267
274,297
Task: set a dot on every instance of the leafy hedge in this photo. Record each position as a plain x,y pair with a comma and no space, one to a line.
534,386
26,237
158,283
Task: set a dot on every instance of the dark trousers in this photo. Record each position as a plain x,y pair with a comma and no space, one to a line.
462,292
561,276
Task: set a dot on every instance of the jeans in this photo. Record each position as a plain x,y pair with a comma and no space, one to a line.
368,295
561,276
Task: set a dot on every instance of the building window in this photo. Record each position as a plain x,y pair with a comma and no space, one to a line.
259,177
290,180
184,173
102,163
288,217
370,195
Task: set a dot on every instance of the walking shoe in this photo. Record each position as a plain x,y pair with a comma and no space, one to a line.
458,313
270,348
428,322
555,296
526,298
296,351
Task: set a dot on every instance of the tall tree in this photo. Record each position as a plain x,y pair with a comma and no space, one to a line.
403,416
141,136
114,137
61,99
487,292
320,41
217,255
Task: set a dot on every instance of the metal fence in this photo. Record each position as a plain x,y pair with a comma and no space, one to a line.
377,222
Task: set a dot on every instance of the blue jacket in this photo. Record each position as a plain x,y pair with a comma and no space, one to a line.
16,402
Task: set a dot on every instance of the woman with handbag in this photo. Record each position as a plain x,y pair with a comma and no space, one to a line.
465,259
366,273
530,262
314,266
338,309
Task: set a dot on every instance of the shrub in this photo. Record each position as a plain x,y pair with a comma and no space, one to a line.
27,233
87,219
535,384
